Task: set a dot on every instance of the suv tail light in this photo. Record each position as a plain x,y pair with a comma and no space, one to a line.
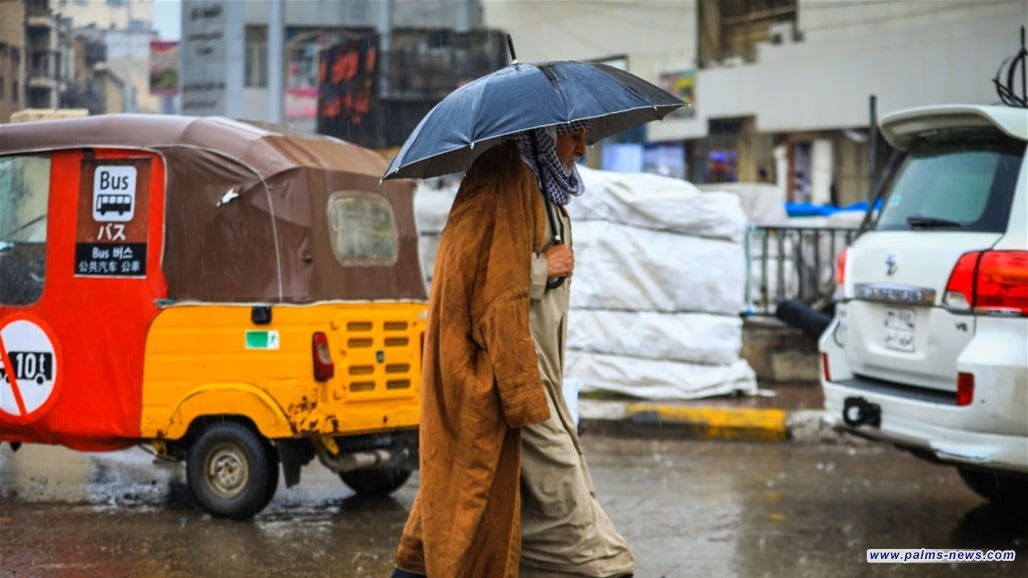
989,282
840,273
324,367
965,388
840,267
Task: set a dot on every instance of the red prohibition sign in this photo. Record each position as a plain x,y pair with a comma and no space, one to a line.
28,370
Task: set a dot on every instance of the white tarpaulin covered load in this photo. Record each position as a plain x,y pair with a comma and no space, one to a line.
653,379
431,206
689,337
658,285
658,203
622,267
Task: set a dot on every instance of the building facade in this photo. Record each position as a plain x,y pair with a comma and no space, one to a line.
12,57
281,45
781,87
107,14
125,29
34,57
782,90
76,54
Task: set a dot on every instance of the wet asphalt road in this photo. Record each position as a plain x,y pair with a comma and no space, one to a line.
687,508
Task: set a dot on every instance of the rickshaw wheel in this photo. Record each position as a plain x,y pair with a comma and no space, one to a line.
232,471
375,482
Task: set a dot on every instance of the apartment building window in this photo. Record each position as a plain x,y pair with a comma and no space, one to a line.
256,50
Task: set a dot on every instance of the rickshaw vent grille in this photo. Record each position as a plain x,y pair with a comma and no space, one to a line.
362,386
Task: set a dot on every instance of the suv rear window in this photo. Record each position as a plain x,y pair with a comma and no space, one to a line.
957,181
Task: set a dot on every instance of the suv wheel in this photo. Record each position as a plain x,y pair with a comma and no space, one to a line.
232,471
998,488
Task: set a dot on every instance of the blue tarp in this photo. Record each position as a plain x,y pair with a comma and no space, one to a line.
811,210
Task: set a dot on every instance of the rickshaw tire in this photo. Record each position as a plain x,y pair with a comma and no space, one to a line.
232,470
375,482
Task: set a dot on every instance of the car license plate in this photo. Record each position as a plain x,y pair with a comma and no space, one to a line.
899,329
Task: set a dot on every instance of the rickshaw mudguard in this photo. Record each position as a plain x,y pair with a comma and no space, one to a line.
219,400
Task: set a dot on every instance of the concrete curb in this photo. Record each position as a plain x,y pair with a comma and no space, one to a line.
707,422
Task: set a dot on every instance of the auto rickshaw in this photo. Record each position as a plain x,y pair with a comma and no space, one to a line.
239,296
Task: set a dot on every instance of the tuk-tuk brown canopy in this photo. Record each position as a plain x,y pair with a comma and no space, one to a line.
257,212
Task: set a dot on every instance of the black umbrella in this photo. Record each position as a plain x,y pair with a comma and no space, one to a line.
524,96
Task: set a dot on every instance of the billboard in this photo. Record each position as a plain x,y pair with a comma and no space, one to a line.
681,83
346,77
164,67
374,96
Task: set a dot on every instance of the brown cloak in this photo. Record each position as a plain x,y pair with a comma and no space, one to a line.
481,377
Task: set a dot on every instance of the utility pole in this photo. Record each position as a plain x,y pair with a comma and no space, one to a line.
872,149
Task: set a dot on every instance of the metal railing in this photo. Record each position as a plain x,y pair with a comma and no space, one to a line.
792,263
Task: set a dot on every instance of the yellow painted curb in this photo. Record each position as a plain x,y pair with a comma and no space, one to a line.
726,423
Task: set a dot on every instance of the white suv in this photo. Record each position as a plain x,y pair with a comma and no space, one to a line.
928,348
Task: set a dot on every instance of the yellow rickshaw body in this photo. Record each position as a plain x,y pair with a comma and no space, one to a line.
206,360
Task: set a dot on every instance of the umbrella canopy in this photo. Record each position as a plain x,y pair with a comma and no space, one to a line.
521,97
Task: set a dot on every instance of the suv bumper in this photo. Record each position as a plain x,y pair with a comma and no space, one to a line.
991,432
903,424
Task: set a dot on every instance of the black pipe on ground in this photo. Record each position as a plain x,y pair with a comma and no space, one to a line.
799,315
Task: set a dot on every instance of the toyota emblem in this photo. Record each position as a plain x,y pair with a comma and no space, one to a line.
891,265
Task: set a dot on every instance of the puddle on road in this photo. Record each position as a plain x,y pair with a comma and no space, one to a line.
688,509
68,513
132,479
51,474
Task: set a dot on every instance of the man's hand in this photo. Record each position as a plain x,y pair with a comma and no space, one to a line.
560,261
